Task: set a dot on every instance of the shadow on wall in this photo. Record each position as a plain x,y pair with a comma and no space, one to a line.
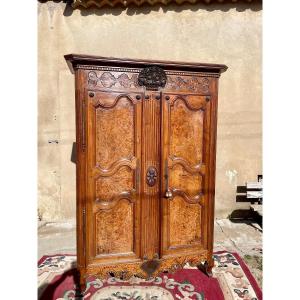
146,8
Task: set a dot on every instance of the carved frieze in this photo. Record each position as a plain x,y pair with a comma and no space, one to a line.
150,79
191,83
108,80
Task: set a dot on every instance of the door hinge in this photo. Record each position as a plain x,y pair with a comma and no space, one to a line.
83,126
84,235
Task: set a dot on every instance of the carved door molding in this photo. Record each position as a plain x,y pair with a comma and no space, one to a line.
185,136
113,184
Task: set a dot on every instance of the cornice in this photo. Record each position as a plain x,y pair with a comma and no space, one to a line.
76,61
125,3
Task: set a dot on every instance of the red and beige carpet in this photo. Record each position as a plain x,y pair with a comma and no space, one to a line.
231,280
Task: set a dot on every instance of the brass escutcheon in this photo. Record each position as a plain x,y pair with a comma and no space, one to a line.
151,176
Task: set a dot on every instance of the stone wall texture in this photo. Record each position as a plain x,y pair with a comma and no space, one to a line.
229,34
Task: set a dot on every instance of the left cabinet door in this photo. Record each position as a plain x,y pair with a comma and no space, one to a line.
113,146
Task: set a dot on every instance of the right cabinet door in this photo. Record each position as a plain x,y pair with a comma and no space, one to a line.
185,142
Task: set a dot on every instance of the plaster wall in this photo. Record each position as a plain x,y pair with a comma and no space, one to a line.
230,34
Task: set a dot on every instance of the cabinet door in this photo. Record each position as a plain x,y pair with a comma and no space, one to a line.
185,140
113,176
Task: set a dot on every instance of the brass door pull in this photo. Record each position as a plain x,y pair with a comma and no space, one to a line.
168,193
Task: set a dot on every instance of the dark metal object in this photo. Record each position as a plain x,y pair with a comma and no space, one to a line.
91,94
147,97
151,176
167,97
152,78
138,97
207,99
157,97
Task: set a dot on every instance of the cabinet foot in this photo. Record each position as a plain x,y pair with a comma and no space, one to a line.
79,292
80,286
205,268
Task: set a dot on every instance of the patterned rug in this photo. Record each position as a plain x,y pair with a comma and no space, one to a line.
231,280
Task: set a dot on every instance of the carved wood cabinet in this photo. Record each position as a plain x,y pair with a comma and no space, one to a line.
146,148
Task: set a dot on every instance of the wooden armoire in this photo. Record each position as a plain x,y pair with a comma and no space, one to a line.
146,149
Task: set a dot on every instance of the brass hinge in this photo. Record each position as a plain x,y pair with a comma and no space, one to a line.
84,223
83,126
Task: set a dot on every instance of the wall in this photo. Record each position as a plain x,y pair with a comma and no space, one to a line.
230,34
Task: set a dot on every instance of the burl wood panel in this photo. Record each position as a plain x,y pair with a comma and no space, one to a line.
185,117
185,222
115,130
115,229
113,155
186,136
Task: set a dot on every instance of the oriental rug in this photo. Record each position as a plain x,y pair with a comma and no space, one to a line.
231,280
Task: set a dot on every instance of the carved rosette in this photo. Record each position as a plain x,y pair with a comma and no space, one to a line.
152,78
